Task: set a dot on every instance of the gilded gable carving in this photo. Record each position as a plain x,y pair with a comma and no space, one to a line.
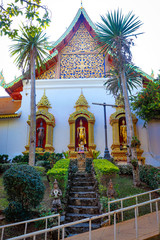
82,66
81,41
49,74
79,58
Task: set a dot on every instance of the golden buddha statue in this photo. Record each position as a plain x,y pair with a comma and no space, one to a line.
81,134
123,132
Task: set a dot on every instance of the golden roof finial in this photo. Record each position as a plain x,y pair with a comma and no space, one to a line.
81,4
44,102
81,101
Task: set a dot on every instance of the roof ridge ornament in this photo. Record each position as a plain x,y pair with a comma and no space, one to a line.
81,4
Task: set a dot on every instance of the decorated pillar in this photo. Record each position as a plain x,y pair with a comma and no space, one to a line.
81,124
119,133
45,122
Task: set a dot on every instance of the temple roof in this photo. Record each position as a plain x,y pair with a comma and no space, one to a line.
15,87
80,14
9,107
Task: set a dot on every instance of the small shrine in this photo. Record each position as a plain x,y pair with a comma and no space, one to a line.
119,133
45,122
81,129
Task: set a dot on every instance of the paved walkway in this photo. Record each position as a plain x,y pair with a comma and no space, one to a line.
147,227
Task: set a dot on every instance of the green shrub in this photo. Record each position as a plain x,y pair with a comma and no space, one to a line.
125,169
23,185
104,166
15,212
54,157
60,172
4,167
40,170
19,159
4,158
45,164
150,175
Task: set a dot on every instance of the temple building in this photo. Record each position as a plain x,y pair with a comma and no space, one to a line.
66,118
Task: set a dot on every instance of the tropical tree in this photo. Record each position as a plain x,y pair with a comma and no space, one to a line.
113,83
31,10
30,49
115,35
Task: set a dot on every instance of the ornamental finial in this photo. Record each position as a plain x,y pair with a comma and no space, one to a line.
81,4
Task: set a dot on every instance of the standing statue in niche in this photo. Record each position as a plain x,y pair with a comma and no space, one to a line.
40,131
123,132
81,134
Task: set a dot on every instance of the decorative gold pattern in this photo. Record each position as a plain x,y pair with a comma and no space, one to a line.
44,102
49,74
82,41
79,58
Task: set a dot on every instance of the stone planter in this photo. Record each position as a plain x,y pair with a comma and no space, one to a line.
154,137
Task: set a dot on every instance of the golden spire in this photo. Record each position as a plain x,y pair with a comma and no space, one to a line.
44,102
81,101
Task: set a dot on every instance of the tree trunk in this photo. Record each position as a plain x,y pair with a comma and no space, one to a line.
32,146
132,154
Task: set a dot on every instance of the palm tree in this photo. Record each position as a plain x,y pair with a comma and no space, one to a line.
115,35
113,84
30,49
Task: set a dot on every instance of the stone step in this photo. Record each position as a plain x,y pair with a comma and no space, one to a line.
83,201
82,189
82,175
82,227
71,217
83,194
83,209
79,179
81,184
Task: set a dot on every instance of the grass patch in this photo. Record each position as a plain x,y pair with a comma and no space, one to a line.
123,186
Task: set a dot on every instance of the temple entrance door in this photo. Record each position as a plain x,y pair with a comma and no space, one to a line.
81,128
40,126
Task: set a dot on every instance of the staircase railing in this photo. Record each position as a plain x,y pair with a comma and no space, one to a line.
29,221
121,200
114,213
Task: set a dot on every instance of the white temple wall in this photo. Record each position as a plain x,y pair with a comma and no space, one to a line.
62,95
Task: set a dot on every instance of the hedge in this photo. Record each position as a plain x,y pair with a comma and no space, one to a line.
104,166
60,172
104,170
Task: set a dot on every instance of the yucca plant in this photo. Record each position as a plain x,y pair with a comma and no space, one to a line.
30,49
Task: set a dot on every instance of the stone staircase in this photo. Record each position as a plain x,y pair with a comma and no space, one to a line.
83,202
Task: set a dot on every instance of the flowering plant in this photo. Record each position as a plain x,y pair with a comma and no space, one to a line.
147,102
